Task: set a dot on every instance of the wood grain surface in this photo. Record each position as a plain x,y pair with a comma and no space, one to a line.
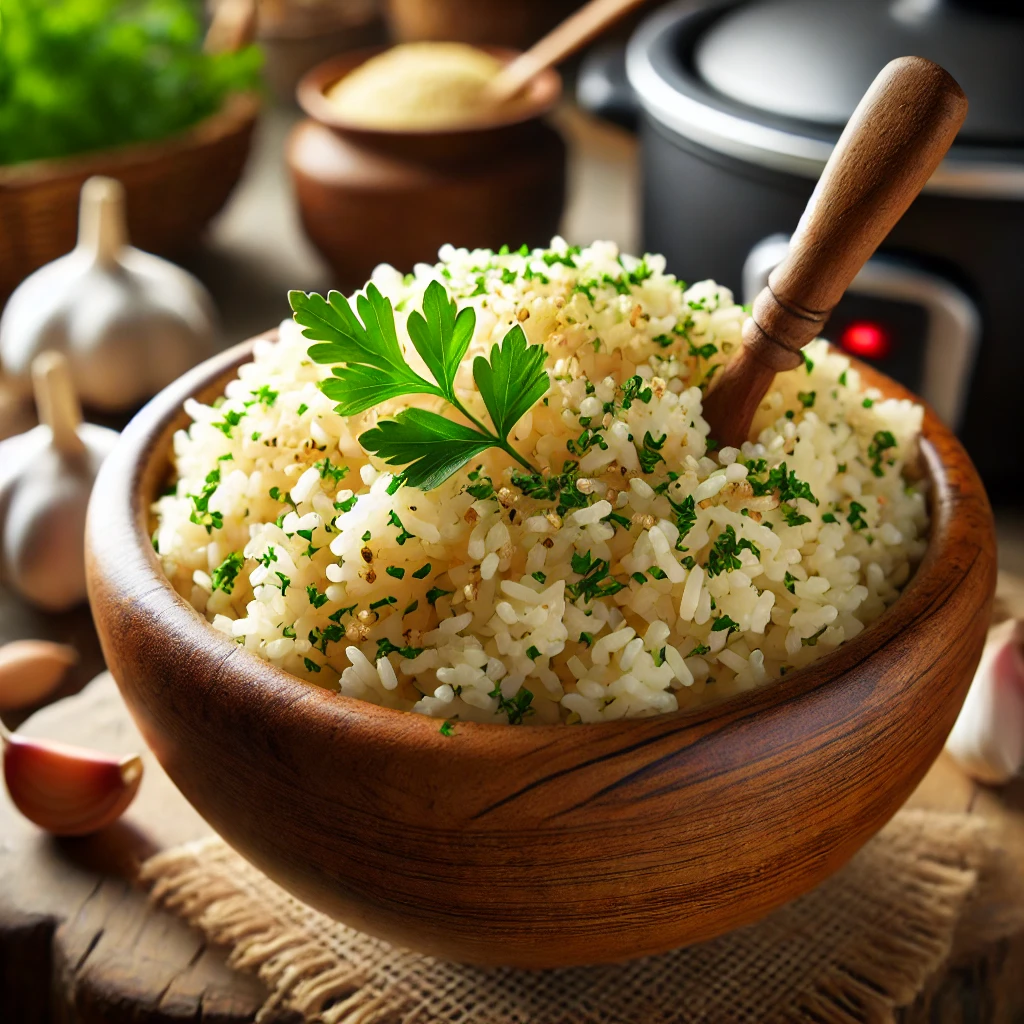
631,837
892,143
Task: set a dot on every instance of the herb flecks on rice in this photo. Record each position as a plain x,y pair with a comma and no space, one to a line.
630,570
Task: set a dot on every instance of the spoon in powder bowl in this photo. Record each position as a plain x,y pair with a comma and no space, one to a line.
562,41
892,144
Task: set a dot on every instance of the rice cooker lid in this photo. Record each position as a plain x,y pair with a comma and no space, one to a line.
773,82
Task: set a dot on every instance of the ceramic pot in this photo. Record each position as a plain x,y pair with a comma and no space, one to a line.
385,196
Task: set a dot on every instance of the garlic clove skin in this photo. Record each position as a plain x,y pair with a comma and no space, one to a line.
65,790
43,500
46,477
987,740
128,322
30,670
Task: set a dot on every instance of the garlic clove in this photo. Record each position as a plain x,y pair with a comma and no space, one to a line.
987,740
30,670
67,790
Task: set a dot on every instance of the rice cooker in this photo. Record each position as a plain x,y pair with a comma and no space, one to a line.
739,105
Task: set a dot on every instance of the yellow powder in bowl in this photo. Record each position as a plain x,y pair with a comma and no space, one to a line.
416,85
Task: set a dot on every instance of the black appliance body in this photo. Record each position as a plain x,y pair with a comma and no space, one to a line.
739,107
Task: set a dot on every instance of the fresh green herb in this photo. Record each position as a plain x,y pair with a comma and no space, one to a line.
517,707
594,581
532,653
880,443
409,609
79,76
792,516
638,577
829,517
289,632
316,599
201,514
369,368
587,638
685,513
841,468
657,572
397,571
787,483
482,490
724,622
842,378
302,408
366,536
336,616
226,573
808,362
868,402
231,420
540,577
265,395
383,602
447,728
703,351
699,651
347,505
328,471
404,534
812,641
855,519
650,455
806,398
790,582
311,666
422,573
435,592
320,638
285,582
724,553
386,647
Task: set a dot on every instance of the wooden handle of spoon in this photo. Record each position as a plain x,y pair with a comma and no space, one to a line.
894,140
566,38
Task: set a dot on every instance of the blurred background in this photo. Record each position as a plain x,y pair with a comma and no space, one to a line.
693,128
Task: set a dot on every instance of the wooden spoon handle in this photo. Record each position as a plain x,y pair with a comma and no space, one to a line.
894,140
566,38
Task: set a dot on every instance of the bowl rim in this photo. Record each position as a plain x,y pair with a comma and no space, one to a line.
543,93
130,568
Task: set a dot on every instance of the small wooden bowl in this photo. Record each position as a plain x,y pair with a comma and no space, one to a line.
549,845
174,187
368,196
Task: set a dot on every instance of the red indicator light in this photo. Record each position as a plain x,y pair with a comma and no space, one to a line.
866,340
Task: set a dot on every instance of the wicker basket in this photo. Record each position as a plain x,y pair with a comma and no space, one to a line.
173,187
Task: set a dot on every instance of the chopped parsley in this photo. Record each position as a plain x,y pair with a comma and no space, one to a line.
699,650
226,573
311,666
790,582
880,443
395,570
724,553
685,513
447,728
807,398
328,471
316,599
724,622
650,454
812,641
422,572
594,581
517,707
201,514
435,592
855,519
404,534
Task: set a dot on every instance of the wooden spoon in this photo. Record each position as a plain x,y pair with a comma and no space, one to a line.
565,39
893,142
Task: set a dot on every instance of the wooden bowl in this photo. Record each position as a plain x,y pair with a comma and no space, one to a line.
546,845
368,196
174,187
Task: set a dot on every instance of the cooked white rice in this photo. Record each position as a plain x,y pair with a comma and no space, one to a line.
467,606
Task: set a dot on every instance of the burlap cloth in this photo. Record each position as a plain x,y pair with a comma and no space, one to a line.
928,887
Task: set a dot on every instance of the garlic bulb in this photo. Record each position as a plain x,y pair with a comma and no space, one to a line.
129,322
46,476
988,738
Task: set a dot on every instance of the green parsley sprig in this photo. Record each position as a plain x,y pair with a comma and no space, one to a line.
369,367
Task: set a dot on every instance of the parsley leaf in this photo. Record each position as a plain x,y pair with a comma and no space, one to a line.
441,336
373,367
428,445
512,380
